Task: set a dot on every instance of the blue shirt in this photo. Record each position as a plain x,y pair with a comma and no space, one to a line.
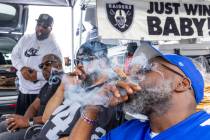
196,126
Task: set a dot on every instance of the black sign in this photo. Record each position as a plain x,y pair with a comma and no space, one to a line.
120,15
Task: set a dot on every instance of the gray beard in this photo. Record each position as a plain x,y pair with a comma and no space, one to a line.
91,78
149,101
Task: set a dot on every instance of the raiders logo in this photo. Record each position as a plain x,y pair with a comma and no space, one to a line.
31,52
120,15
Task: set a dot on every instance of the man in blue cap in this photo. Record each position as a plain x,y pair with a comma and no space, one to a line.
171,86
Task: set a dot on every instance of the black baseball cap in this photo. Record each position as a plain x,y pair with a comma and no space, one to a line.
92,48
45,20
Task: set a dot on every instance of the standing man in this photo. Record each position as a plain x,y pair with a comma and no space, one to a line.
26,56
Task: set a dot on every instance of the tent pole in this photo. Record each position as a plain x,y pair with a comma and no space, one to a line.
72,35
82,8
80,26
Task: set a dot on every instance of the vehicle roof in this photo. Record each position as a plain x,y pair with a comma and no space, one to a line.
186,49
41,2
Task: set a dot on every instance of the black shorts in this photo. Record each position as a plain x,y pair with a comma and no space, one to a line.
23,102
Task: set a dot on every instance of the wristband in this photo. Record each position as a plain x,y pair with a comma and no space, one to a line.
30,122
88,120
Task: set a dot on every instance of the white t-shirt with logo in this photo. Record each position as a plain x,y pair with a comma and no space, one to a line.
29,52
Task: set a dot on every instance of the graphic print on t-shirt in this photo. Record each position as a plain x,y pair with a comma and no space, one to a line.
31,52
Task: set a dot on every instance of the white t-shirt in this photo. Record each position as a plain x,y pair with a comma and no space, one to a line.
153,134
29,52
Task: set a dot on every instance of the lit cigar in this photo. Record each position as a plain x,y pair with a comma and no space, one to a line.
120,73
121,76
73,73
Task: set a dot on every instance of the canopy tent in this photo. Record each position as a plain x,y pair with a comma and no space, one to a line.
69,3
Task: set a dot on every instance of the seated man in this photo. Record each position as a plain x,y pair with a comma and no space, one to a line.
15,126
91,63
171,88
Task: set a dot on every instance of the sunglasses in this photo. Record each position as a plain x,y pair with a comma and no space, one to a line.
84,60
47,64
176,72
149,67
171,69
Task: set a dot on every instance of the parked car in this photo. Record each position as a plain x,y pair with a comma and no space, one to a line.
13,21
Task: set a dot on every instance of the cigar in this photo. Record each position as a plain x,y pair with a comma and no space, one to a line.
120,73
72,74
113,80
121,76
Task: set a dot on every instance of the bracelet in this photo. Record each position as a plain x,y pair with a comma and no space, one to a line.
31,122
88,120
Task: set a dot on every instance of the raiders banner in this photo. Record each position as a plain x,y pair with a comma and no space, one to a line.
153,19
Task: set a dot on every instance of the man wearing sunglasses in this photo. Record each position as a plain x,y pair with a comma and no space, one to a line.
171,87
17,124
26,56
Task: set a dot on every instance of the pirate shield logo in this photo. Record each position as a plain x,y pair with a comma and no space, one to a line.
120,15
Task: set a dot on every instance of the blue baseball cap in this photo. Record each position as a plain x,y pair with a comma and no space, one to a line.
183,63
